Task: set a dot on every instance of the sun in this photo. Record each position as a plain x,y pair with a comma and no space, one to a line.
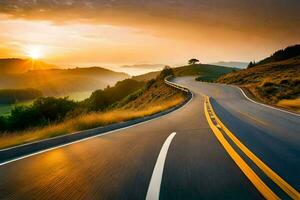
34,52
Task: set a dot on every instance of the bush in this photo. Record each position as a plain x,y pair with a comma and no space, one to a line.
167,71
42,112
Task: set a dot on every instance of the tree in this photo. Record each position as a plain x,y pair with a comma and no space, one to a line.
251,64
167,71
193,61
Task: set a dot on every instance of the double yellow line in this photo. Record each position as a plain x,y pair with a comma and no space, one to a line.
216,127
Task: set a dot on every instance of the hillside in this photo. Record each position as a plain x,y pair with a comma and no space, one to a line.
234,64
59,116
210,72
276,83
283,54
16,74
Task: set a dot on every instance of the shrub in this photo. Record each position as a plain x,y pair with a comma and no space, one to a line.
42,112
167,71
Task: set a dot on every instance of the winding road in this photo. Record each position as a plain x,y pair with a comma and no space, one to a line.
177,156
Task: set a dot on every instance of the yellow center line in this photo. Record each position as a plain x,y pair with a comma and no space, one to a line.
250,174
293,193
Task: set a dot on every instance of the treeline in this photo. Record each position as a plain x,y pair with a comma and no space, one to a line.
280,55
11,96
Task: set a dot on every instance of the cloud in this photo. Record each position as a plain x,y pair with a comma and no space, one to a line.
192,14
214,29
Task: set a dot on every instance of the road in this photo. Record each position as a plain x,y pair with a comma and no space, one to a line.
176,156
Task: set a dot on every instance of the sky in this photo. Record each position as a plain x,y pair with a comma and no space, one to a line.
134,32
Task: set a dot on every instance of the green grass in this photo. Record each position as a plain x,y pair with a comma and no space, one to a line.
76,96
207,72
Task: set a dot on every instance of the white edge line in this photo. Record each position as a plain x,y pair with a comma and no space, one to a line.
298,115
253,101
155,181
98,135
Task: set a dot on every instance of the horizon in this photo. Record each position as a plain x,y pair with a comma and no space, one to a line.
113,34
130,69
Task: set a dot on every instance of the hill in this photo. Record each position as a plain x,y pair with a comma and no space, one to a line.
276,83
234,64
283,54
16,73
51,117
209,72
19,66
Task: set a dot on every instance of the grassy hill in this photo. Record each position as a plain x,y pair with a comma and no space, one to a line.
18,74
234,64
146,99
207,72
276,83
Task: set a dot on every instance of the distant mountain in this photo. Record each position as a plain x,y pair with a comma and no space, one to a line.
16,74
19,66
283,54
211,72
235,64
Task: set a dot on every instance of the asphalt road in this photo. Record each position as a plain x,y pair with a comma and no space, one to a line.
120,165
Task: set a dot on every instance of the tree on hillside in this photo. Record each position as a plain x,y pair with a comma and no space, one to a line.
167,71
251,64
193,61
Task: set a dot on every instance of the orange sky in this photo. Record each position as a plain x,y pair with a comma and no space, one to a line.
113,33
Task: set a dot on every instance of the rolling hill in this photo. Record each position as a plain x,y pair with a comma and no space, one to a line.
273,82
234,64
16,74
211,72
19,66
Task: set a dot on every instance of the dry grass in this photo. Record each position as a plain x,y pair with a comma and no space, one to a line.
86,122
269,83
290,103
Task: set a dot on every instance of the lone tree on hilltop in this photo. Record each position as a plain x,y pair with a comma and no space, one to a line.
193,61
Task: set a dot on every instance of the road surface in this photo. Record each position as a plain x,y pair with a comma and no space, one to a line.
176,156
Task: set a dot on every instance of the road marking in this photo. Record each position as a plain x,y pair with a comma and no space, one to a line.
155,181
293,193
250,174
242,91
